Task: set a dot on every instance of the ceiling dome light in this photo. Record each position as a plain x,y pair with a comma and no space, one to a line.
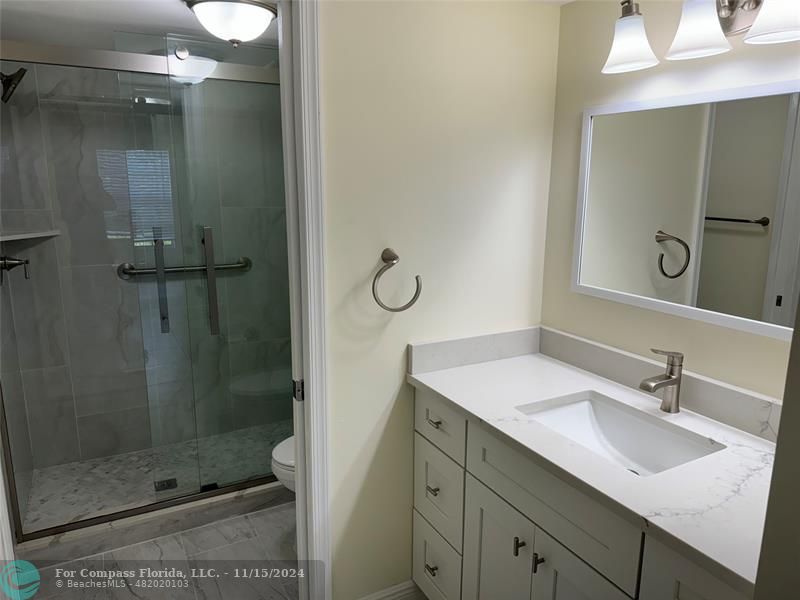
699,33
777,22
631,49
236,21
191,70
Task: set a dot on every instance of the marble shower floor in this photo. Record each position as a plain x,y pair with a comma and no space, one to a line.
81,490
266,538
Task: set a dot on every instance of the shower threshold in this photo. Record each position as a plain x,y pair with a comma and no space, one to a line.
80,494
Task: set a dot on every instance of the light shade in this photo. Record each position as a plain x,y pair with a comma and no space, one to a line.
778,21
233,20
631,49
699,33
191,70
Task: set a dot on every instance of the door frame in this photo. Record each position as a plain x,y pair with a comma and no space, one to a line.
299,79
299,69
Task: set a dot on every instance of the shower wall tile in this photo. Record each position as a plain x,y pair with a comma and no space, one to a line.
249,145
51,416
18,436
212,386
261,382
38,310
109,391
23,169
258,305
103,323
172,412
91,203
9,359
23,221
110,433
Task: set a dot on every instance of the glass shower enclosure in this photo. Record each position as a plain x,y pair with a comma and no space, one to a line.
145,350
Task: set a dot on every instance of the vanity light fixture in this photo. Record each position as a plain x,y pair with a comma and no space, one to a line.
631,49
703,29
699,32
236,21
777,22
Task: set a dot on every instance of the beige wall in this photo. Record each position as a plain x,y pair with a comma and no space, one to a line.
751,361
645,175
437,129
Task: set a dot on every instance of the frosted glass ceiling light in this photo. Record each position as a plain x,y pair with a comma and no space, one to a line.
777,22
631,49
236,21
699,32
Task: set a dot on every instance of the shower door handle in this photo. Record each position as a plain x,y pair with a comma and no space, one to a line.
211,280
161,279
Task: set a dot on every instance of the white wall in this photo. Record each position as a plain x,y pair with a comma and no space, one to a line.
778,575
645,175
751,361
437,128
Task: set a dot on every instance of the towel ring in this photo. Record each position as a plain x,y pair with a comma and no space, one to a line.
390,259
665,237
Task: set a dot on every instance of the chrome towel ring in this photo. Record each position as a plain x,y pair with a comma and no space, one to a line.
666,237
390,259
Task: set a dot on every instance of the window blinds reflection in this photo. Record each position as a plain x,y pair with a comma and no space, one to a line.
139,184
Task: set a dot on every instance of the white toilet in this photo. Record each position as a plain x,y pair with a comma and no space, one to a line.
283,462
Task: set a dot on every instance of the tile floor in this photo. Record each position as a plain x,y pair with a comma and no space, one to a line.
80,490
265,538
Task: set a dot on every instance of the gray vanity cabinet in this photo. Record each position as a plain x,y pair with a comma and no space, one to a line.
490,523
498,546
507,557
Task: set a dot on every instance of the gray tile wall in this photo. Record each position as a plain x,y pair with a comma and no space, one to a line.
90,371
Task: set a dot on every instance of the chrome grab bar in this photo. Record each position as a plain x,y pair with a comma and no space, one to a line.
763,221
666,237
390,259
127,270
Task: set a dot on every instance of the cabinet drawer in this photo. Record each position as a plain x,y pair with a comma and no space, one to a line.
436,566
441,424
666,575
599,536
439,490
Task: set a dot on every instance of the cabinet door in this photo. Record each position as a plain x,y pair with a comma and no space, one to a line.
666,575
498,547
560,575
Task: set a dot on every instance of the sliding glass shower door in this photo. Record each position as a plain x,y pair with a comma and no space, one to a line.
146,355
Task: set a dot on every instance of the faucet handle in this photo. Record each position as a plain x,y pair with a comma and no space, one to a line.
674,359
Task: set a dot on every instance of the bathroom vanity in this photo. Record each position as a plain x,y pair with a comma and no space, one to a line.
537,479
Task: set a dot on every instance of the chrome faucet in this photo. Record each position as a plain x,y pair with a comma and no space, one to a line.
670,381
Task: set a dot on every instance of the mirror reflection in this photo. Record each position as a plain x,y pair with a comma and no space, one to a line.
697,205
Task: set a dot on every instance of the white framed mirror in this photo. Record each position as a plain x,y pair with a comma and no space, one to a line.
691,206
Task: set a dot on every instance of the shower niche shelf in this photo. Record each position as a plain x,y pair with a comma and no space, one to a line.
28,235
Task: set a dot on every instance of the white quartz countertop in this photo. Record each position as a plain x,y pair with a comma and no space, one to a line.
711,508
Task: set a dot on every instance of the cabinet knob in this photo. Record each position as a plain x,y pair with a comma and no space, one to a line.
536,562
431,570
434,424
432,491
518,543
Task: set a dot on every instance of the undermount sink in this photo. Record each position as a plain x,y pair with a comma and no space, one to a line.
639,442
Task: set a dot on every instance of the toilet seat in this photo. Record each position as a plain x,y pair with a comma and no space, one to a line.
283,462
283,453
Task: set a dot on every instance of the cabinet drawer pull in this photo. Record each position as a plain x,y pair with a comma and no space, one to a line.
431,570
536,562
432,491
518,543
434,424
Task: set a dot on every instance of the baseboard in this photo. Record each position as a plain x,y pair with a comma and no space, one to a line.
407,590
